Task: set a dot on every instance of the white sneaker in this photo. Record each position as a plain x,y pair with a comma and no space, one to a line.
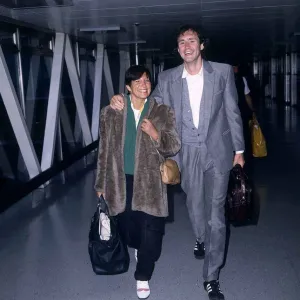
142,289
135,254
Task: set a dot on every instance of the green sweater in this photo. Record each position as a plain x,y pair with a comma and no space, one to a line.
130,137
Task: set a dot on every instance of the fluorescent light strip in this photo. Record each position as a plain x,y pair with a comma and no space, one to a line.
132,42
101,28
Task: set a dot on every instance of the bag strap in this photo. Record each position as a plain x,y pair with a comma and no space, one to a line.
103,205
160,156
162,159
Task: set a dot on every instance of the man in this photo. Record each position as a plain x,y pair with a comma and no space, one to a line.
204,98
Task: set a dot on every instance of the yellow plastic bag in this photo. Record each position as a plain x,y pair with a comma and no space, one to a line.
259,147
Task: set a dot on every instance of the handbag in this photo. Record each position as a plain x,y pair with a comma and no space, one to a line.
259,147
169,170
108,253
239,197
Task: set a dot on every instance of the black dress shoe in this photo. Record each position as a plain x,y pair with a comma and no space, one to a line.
213,290
199,250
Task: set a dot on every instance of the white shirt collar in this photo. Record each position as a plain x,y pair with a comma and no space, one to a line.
186,74
132,104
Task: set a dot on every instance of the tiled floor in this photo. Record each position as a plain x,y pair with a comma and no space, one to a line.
43,240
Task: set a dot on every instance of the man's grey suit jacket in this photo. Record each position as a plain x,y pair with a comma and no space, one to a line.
223,129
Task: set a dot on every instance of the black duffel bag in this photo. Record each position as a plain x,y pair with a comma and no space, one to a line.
108,257
239,198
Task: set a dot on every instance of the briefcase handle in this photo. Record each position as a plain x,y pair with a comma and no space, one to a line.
240,176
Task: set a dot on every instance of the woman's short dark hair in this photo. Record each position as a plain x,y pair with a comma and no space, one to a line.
135,73
192,28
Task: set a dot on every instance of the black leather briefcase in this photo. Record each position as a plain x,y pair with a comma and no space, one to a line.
239,198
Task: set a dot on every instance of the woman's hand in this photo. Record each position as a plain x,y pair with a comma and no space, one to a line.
99,194
149,128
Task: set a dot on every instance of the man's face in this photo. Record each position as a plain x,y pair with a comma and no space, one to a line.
189,46
140,88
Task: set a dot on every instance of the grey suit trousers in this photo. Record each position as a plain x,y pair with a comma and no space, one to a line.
206,190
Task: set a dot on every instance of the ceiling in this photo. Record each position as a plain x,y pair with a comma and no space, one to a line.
233,27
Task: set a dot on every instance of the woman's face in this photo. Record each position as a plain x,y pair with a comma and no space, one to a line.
140,88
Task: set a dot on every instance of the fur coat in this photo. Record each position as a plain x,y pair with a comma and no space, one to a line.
149,192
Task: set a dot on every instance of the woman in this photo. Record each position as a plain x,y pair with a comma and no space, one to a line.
128,176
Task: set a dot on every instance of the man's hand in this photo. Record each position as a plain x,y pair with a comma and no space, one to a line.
117,102
239,159
148,128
